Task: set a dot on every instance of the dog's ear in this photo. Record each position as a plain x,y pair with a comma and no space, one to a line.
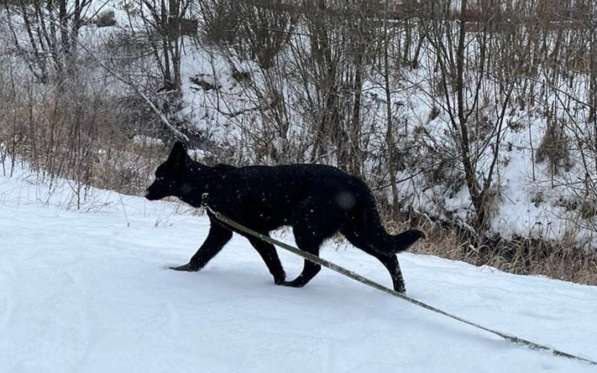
178,155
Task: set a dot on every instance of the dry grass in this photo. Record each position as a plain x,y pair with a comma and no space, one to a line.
555,259
76,134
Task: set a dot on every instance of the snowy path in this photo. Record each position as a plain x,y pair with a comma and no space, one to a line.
89,292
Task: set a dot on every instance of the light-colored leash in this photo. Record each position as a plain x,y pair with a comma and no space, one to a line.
363,280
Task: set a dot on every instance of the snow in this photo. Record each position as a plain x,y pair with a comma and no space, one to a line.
88,291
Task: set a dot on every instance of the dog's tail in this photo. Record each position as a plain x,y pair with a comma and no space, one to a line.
368,233
406,239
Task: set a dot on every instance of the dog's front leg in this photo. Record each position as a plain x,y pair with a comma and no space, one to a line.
269,255
216,239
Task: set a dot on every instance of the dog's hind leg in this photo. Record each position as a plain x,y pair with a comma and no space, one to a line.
307,240
390,261
270,257
217,237
310,270
315,221
393,266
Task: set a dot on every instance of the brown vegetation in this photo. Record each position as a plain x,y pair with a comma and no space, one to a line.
560,259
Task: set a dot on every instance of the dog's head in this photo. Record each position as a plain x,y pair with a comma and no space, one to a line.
169,175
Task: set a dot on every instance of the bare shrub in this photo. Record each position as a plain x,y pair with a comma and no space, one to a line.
221,20
554,148
75,132
105,19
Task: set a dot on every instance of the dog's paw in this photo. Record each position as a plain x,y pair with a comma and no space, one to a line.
279,278
291,284
401,290
187,268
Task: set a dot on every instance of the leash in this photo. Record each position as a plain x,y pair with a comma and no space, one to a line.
364,280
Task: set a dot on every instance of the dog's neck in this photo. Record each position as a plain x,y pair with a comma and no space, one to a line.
201,179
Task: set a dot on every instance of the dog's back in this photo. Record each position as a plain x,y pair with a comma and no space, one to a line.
272,196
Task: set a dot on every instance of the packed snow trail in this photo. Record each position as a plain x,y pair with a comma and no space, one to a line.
88,291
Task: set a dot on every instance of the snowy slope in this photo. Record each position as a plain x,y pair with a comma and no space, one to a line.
89,292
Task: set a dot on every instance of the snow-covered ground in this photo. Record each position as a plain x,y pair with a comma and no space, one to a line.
88,291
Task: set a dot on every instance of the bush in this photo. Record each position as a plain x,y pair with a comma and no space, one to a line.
105,19
554,148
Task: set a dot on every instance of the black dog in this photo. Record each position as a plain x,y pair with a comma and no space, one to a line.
315,200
